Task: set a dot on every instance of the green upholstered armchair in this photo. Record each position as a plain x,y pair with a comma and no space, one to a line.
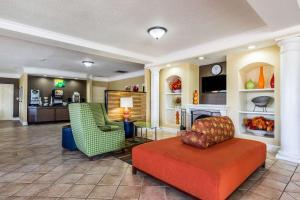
93,132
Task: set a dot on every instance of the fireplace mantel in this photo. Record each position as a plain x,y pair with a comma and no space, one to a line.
209,107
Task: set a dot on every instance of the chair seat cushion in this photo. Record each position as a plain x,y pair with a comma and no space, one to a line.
211,173
109,128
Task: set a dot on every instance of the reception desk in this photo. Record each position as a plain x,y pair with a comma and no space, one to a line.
39,114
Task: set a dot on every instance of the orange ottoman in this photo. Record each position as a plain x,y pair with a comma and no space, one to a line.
212,173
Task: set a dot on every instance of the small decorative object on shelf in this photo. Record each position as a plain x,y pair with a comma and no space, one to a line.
135,88
177,117
250,85
261,102
128,88
259,125
195,97
261,80
175,85
177,101
272,82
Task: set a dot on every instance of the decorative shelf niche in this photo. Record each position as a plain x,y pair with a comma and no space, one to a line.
251,72
173,100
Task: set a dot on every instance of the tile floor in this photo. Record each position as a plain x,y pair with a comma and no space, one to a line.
34,166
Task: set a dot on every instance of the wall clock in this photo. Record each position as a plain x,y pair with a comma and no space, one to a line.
216,69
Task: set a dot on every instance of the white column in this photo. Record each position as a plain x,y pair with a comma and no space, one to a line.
155,96
290,99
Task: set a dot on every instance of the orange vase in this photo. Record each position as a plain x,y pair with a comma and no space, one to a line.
177,117
195,97
261,80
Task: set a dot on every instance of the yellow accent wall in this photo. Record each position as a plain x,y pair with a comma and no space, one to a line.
120,84
89,90
148,95
23,103
237,61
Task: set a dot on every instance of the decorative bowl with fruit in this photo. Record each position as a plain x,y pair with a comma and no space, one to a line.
259,125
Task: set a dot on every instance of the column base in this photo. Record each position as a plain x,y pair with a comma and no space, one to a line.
284,156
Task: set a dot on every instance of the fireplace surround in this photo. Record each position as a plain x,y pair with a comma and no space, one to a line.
198,111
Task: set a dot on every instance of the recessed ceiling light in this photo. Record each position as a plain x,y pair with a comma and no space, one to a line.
87,63
168,65
201,58
157,31
251,47
60,77
45,75
75,78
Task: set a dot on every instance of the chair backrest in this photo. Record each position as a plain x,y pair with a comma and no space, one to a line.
98,113
82,120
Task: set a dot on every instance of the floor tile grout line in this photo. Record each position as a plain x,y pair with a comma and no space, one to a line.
288,182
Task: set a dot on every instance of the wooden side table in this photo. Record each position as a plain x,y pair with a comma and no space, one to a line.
146,125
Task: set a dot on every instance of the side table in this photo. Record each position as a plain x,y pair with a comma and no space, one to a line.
146,125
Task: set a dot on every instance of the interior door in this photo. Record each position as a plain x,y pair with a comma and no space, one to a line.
99,94
6,101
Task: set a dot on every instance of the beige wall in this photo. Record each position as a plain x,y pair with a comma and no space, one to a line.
189,74
100,84
120,84
23,104
236,62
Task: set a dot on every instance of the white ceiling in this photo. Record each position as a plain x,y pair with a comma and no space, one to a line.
123,24
16,54
59,30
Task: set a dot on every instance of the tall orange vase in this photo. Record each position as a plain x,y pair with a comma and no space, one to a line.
261,80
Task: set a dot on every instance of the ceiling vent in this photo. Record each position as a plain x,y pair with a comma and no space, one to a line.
121,71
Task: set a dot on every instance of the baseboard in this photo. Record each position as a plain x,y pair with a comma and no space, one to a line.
24,123
286,156
16,119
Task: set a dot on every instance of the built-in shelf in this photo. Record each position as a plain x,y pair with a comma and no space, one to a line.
258,90
256,113
173,108
170,93
265,136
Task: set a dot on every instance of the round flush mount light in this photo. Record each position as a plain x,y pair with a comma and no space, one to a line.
87,64
201,58
157,32
251,47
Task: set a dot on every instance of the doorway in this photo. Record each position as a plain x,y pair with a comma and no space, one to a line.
6,101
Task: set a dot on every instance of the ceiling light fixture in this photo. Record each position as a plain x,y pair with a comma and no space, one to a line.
201,58
157,32
168,65
45,75
87,63
251,47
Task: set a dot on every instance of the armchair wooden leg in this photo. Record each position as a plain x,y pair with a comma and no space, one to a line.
92,158
134,170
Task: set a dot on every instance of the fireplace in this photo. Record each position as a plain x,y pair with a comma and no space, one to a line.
193,112
200,114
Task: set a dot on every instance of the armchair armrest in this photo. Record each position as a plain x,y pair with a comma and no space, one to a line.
120,124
